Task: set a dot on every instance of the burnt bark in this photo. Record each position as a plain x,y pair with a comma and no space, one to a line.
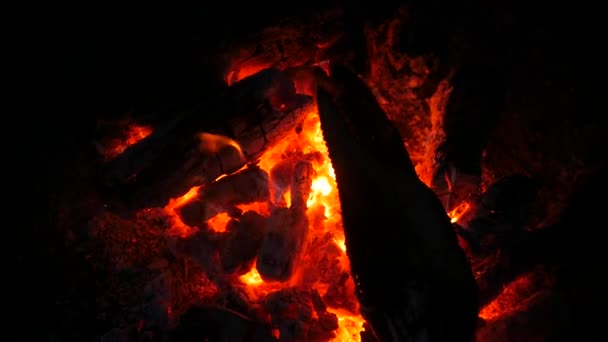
434,296
246,186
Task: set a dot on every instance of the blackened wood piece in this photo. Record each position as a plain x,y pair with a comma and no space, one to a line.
242,243
431,295
246,186
256,113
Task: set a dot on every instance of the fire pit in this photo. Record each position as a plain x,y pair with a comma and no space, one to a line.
332,185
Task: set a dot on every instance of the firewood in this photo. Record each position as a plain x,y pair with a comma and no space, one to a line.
283,244
242,243
252,116
434,297
246,186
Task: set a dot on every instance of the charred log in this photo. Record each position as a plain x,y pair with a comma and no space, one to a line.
242,243
253,115
246,186
435,298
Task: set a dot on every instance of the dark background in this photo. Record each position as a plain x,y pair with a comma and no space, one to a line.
106,59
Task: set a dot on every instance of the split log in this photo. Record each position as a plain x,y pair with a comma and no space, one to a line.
251,116
242,243
434,297
246,186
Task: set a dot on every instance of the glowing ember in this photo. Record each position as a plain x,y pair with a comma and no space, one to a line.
460,210
323,193
179,228
324,207
513,296
133,135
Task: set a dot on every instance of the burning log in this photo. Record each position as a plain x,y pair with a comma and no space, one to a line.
285,238
434,296
253,115
246,186
242,243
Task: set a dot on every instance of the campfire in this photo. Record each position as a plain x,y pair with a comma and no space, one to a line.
238,221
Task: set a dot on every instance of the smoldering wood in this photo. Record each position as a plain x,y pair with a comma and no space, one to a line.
435,296
246,186
291,311
295,41
256,113
242,243
283,244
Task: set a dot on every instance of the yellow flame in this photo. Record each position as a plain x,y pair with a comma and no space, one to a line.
212,143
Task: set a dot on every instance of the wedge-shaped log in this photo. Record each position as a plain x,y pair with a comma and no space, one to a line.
430,293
